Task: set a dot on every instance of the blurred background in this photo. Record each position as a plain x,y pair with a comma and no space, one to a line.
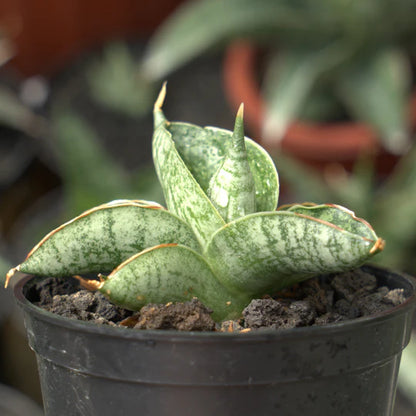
328,86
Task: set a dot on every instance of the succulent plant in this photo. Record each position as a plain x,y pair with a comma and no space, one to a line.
222,239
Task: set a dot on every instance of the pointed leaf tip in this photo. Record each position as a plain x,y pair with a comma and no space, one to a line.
10,274
238,133
378,246
240,112
161,98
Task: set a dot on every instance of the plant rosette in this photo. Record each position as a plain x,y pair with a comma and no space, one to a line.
314,143
223,241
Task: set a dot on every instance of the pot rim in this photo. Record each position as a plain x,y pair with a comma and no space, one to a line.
192,336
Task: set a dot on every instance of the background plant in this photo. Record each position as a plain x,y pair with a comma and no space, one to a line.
321,53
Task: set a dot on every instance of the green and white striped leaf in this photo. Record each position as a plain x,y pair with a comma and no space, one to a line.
203,150
232,189
334,214
171,273
183,195
100,239
269,251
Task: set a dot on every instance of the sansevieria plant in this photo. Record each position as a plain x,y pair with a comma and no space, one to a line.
221,239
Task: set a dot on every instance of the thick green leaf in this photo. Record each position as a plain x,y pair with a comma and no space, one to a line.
268,251
183,194
232,188
203,150
170,273
334,214
375,88
103,237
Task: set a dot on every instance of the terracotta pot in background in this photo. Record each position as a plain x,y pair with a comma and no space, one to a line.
312,143
48,33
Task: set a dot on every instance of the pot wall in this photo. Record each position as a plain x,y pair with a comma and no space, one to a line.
342,369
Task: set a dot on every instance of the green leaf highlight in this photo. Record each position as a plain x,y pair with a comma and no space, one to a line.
232,189
268,251
102,238
170,273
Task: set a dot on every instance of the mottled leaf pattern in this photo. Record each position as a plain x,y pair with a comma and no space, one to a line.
180,271
191,250
232,189
334,214
100,239
268,251
183,194
203,150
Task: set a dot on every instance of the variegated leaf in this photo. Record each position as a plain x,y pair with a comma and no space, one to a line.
232,189
204,148
170,273
334,214
100,239
183,194
269,251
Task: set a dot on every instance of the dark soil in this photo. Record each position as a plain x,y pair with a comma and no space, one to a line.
317,301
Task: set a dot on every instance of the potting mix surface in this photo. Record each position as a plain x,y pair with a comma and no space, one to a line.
317,301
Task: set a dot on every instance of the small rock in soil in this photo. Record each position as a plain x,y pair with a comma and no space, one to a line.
271,313
319,294
329,318
394,297
86,306
230,326
187,316
347,285
43,291
344,308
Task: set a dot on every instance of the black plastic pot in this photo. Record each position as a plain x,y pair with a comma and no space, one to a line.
347,368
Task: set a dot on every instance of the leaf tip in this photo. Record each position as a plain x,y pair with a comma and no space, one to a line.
378,246
10,274
240,112
91,285
238,133
161,98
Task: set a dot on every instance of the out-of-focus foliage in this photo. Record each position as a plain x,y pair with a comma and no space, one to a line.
4,268
355,49
115,82
407,379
